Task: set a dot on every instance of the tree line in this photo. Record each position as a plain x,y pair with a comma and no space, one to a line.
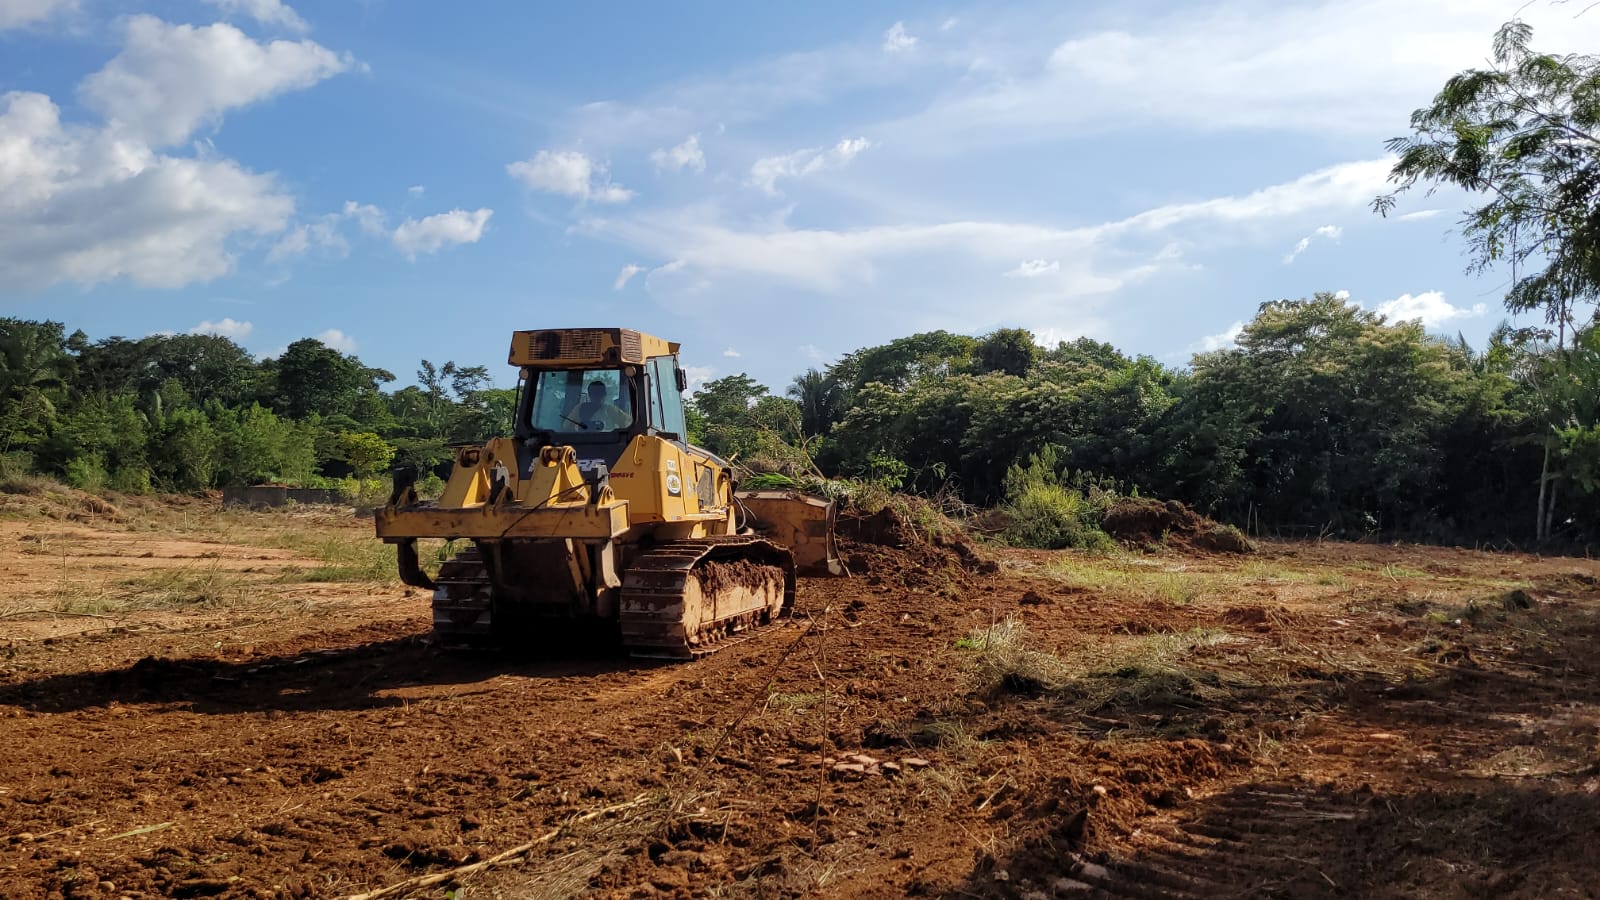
1325,418
190,412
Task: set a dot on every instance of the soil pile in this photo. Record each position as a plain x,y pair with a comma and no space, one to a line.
1143,522
31,496
888,545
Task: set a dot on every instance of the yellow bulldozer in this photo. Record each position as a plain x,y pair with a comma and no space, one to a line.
597,516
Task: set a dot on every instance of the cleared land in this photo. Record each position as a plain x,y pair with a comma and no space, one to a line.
197,702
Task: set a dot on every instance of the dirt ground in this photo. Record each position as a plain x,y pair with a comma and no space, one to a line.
204,703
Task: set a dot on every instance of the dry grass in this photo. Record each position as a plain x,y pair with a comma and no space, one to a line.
1005,661
327,547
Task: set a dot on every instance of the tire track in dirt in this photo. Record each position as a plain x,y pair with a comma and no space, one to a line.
1252,840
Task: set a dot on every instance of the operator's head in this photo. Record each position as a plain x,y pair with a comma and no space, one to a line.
597,391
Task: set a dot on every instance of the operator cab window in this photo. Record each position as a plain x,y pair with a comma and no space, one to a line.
582,401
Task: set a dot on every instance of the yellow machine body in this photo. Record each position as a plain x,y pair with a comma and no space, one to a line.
596,511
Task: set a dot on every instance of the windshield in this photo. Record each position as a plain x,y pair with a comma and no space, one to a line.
582,401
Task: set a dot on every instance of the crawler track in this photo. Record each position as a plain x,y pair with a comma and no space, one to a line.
672,608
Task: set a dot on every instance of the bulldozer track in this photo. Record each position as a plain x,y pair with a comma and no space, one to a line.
462,599
1252,842
654,595
653,598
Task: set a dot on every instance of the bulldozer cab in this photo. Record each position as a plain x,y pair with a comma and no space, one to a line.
600,409
582,401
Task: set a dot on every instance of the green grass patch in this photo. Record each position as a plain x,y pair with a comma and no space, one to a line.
1134,578
343,559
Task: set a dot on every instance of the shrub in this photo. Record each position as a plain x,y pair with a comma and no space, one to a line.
131,480
1045,514
87,473
430,486
17,475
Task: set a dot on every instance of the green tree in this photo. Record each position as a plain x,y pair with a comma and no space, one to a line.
1324,415
186,452
900,362
207,367
822,401
256,447
367,454
1522,133
314,379
1010,351
107,433
34,371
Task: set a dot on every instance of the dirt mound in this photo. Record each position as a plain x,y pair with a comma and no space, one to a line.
42,496
1143,522
889,545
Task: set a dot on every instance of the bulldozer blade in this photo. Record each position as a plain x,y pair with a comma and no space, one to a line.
801,522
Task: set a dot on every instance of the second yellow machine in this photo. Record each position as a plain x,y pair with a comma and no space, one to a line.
596,515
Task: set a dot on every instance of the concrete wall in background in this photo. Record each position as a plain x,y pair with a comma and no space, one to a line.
260,496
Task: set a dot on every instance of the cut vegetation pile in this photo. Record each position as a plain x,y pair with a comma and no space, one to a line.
1142,522
35,495
910,542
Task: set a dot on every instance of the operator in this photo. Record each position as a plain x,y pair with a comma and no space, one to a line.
598,413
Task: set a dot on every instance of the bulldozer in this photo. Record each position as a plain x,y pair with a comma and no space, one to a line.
595,516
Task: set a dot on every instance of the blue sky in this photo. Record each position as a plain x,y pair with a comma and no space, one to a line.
770,184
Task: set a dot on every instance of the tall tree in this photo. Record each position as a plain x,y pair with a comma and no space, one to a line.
34,368
314,378
821,400
1010,351
1524,134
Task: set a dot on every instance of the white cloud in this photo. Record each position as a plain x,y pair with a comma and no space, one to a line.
1351,184
415,190
337,340
320,234
569,173
17,13
896,40
1331,232
686,155
697,377
827,260
1048,337
949,23
431,234
1342,295
626,275
295,242
1231,64
1223,341
1035,268
94,203
1430,307
267,12
766,172
227,328
732,353
171,79
370,218
811,352
1419,214
87,206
